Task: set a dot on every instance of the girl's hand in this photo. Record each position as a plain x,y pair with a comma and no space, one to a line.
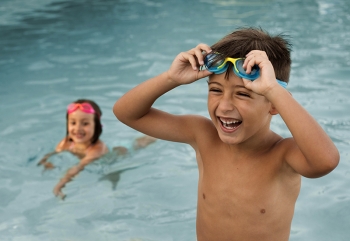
42,161
57,191
73,171
267,78
47,165
185,68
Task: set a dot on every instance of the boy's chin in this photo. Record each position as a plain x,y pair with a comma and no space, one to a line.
229,140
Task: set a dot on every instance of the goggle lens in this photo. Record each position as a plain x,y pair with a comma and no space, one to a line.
85,107
254,73
220,66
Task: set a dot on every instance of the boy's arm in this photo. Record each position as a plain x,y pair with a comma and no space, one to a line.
135,107
310,152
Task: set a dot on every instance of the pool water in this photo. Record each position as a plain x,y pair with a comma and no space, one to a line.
54,52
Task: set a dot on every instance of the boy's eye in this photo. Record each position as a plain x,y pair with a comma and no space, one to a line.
243,94
214,90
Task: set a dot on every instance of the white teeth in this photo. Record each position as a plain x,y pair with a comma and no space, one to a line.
229,122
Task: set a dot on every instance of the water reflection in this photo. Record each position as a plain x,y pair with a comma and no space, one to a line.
114,177
55,51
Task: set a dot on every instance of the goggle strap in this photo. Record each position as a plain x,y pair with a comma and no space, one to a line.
282,83
223,64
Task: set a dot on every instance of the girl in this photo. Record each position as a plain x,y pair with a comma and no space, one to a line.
82,139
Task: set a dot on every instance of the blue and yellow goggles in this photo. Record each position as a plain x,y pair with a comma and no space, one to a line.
220,66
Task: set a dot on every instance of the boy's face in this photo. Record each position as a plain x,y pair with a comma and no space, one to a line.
237,113
81,127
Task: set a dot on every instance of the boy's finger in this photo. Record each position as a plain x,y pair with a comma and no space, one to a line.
249,63
201,48
191,59
198,53
204,47
247,83
203,74
207,73
257,53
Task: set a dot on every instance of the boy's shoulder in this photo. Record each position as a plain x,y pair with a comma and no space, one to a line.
284,144
202,125
199,120
289,155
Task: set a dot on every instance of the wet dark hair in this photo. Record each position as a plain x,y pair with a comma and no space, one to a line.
240,42
97,119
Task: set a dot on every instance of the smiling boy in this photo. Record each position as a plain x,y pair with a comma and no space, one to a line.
249,176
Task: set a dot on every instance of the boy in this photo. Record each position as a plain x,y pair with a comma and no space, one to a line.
249,177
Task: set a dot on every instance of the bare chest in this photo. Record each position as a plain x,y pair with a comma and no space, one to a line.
78,151
237,182
237,194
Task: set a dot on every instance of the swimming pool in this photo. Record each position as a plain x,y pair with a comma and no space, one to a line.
53,52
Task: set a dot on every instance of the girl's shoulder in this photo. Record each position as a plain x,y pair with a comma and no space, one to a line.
63,145
99,148
94,152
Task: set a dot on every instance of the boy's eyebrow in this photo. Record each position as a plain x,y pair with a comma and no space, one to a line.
213,82
238,86
241,86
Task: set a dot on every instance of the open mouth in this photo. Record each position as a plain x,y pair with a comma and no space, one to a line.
231,124
79,135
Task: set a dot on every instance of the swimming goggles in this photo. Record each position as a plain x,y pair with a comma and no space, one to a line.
85,107
221,66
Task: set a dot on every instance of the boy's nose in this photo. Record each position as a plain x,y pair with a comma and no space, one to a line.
226,103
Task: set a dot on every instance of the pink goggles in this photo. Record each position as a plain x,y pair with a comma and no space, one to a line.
85,107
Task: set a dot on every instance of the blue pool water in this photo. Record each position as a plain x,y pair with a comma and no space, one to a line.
53,52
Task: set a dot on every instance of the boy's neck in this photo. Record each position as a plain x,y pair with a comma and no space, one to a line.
255,144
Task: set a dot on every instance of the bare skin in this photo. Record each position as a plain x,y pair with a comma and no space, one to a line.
249,177
87,154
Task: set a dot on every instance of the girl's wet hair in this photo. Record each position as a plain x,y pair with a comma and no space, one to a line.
240,42
97,119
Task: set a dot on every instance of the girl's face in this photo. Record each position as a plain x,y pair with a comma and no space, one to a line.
81,127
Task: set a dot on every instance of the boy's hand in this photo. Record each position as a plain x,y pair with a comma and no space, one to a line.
267,78
185,67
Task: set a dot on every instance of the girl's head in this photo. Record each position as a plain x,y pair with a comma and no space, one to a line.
84,121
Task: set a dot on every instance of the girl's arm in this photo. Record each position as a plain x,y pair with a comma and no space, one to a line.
135,107
45,163
70,174
61,146
93,154
73,171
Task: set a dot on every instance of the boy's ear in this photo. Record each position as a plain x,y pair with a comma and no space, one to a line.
273,110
